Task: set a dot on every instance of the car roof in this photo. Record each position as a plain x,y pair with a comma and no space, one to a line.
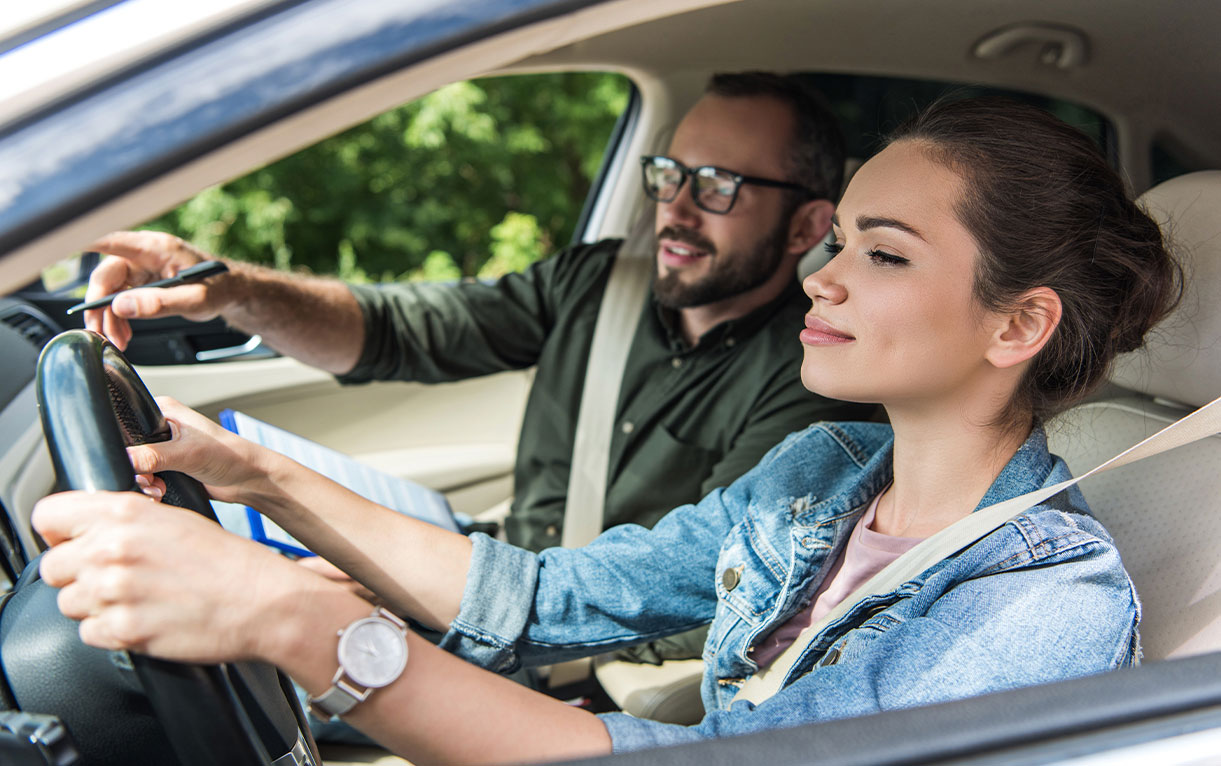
51,50
72,157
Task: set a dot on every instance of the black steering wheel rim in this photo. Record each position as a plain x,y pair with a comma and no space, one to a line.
93,405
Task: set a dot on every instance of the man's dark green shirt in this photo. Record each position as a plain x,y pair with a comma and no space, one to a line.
689,418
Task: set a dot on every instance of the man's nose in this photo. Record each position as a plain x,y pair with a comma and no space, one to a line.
681,211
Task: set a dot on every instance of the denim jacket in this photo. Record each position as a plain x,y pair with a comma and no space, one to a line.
1043,598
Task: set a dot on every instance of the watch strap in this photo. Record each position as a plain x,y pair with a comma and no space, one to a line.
338,699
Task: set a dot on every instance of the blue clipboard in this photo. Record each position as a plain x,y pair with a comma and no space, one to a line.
396,493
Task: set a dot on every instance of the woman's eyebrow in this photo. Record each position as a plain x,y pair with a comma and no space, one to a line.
866,222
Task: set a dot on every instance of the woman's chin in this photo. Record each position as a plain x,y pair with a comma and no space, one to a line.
823,385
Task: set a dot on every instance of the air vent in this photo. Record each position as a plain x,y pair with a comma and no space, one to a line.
33,325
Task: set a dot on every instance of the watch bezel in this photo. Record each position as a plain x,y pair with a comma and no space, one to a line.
349,635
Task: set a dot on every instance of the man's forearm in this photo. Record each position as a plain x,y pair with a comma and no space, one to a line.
315,320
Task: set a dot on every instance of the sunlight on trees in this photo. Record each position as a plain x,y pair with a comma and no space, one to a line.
479,178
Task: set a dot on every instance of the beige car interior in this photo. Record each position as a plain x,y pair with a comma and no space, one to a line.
1163,511
461,438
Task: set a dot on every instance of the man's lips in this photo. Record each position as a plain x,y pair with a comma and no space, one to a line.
679,253
819,333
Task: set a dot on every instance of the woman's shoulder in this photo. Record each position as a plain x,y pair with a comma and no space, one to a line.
827,457
859,442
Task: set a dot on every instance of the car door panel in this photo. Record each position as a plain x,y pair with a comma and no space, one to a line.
459,438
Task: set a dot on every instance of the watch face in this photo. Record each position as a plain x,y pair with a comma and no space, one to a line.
373,653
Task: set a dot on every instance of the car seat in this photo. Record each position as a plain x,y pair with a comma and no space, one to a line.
1163,511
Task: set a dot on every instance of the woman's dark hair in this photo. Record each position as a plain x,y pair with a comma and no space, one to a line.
1047,210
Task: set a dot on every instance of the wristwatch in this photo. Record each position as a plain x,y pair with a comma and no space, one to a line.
372,654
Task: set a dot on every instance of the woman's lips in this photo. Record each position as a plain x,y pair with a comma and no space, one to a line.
819,333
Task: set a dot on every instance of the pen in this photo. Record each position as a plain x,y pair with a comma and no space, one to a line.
193,274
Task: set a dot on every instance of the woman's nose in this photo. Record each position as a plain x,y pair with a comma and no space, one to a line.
824,285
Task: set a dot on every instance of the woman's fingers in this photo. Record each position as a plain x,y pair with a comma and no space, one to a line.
222,461
151,577
151,485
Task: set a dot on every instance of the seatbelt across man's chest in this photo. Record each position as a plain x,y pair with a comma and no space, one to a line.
618,315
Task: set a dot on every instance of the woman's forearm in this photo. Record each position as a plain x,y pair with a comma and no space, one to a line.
417,568
441,709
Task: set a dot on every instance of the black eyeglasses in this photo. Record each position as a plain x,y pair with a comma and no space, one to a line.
713,189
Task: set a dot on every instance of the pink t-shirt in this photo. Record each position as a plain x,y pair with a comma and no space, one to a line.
866,553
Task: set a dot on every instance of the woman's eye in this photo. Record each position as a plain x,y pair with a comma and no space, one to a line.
886,259
833,248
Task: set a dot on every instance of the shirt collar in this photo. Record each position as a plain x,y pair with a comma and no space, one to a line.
1030,468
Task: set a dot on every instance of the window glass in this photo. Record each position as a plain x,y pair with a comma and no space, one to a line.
870,107
474,180
62,273
1167,160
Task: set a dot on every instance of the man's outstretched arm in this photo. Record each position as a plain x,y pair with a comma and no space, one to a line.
314,320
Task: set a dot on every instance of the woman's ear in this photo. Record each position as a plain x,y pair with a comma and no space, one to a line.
809,224
1024,331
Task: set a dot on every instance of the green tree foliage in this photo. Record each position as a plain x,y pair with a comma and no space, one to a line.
476,179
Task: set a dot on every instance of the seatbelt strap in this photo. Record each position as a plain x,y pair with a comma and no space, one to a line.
1200,424
618,315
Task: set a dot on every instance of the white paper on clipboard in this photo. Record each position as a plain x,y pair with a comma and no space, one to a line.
399,494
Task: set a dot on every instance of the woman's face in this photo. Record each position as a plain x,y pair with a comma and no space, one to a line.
894,319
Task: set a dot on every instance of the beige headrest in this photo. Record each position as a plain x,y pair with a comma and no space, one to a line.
1181,359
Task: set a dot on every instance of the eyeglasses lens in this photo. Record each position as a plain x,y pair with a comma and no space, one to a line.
715,189
662,181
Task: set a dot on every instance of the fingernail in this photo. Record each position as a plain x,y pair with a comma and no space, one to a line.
124,304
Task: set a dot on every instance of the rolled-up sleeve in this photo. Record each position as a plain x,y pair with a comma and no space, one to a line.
439,332
496,603
631,584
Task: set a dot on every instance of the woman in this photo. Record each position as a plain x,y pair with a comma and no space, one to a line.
987,268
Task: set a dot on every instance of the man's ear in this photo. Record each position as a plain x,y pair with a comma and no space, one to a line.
1024,332
810,223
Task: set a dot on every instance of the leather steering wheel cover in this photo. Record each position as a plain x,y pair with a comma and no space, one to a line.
81,381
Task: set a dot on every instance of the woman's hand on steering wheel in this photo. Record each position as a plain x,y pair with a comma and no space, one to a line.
160,580
231,468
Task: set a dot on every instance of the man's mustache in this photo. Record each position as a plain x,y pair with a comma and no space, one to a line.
687,237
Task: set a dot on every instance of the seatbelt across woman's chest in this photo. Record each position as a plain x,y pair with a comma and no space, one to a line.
1200,424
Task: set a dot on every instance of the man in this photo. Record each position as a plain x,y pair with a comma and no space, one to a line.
712,376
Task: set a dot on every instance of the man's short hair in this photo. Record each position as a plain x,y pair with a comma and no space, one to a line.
816,157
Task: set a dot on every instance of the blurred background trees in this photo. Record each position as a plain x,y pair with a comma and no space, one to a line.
476,179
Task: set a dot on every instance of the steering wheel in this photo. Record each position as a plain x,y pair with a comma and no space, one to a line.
93,404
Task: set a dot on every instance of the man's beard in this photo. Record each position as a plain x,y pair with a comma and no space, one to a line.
730,275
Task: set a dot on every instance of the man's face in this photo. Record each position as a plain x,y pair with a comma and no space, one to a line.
705,258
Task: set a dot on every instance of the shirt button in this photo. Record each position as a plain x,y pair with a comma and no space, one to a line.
731,577
676,362
627,427
729,342
552,530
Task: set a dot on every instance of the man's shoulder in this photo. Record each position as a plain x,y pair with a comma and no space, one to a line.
579,268
589,254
